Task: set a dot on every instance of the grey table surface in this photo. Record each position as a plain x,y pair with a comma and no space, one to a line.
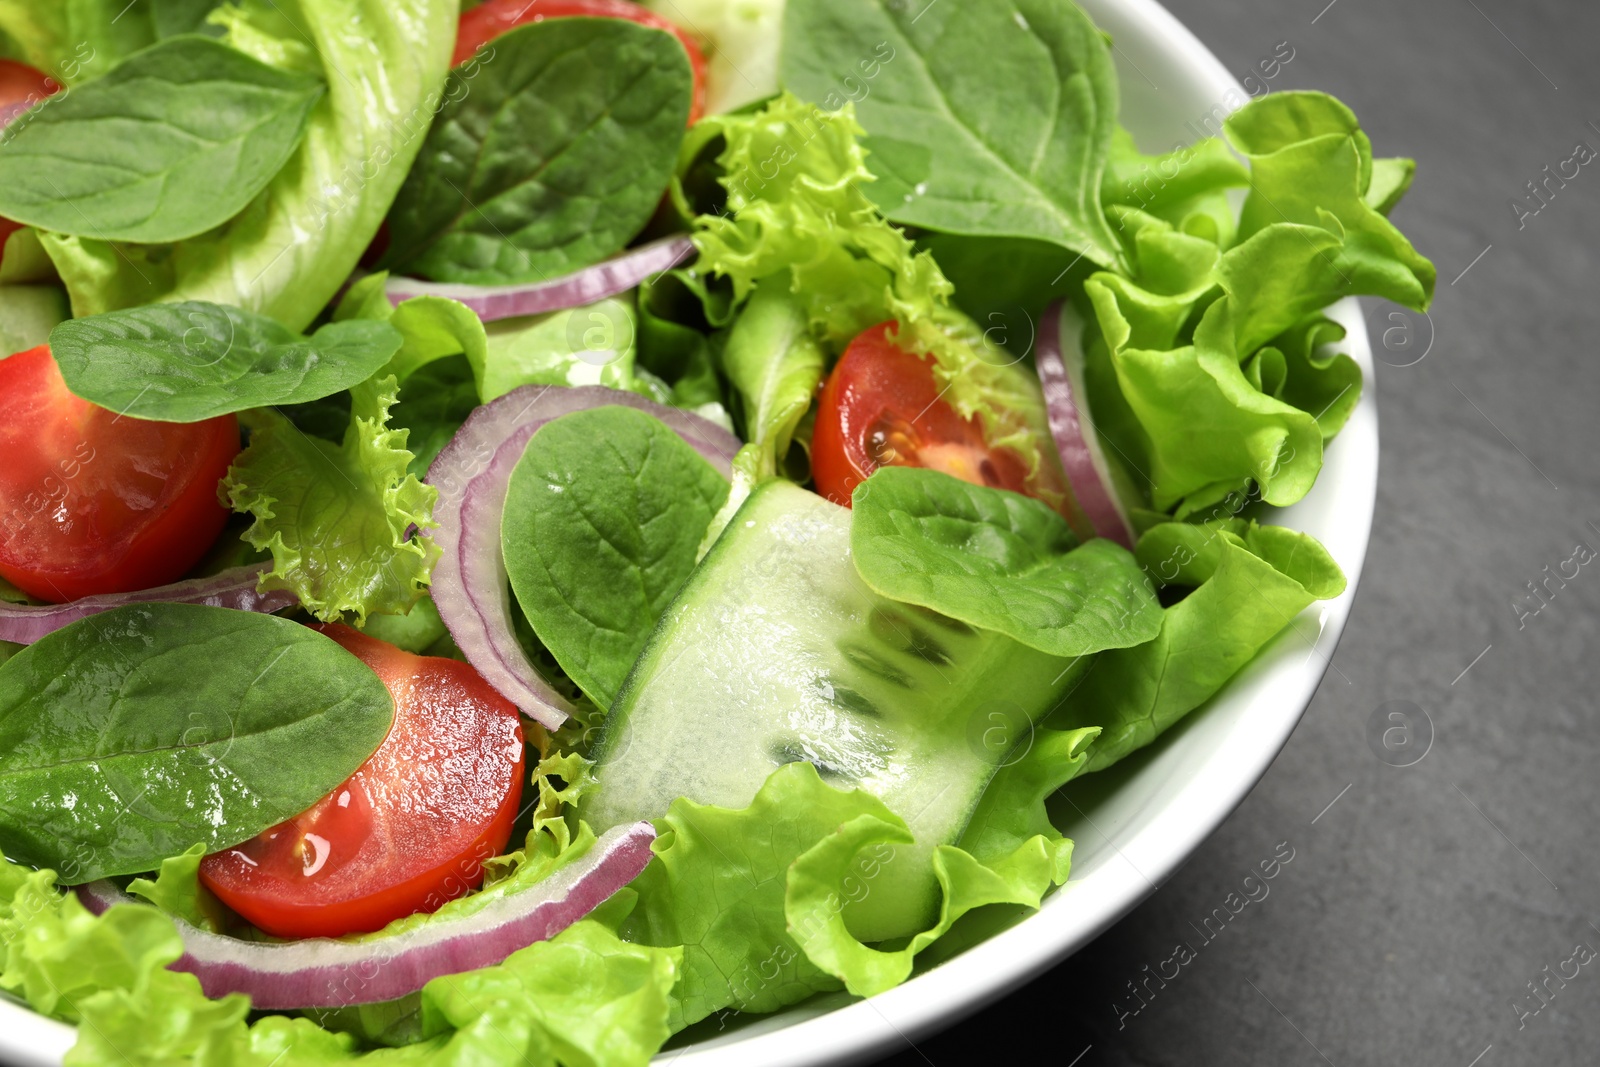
1425,899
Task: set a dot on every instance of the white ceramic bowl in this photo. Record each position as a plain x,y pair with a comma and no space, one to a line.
1167,800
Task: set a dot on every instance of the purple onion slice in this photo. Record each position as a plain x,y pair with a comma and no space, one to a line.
613,276
472,474
1060,363
327,973
24,624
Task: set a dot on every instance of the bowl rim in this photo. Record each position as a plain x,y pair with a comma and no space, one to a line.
981,974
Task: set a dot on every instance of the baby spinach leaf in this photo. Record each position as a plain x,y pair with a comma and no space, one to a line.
998,561
193,361
603,518
173,142
549,158
128,737
990,119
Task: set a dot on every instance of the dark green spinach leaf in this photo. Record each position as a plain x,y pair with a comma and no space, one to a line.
606,510
173,142
990,119
550,158
192,361
129,736
998,561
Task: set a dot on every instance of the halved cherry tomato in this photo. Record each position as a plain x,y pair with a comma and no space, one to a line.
21,87
881,407
96,502
409,830
489,20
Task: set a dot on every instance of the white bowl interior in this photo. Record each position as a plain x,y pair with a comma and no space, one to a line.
1132,825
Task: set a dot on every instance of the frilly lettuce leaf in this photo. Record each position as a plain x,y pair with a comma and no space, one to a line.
1011,812
760,898
797,215
177,890
1227,338
288,252
1311,165
1205,428
1247,583
830,868
582,998
337,518
1187,187
716,887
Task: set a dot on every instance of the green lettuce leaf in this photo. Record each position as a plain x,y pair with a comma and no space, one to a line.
442,352
1202,426
761,898
288,252
1187,187
336,517
1012,810
590,345
820,881
177,891
716,887
585,997
59,956
1247,583
1201,333
1311,165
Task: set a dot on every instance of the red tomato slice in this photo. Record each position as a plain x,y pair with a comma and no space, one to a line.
21,87
409,830
881,407
96,502
489,20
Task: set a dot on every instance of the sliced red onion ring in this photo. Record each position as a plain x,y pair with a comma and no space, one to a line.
325,973
235,588
616,275
472,474
1060,362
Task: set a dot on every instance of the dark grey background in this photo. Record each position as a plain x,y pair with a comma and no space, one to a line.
1420,904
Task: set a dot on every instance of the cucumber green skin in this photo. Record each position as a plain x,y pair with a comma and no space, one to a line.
774,651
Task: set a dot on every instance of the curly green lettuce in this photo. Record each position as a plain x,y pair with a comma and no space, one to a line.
585,998
339,520
760,898
1204,366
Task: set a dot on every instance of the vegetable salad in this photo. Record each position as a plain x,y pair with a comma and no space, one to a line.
532,528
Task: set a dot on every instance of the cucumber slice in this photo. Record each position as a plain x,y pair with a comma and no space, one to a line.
776,651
